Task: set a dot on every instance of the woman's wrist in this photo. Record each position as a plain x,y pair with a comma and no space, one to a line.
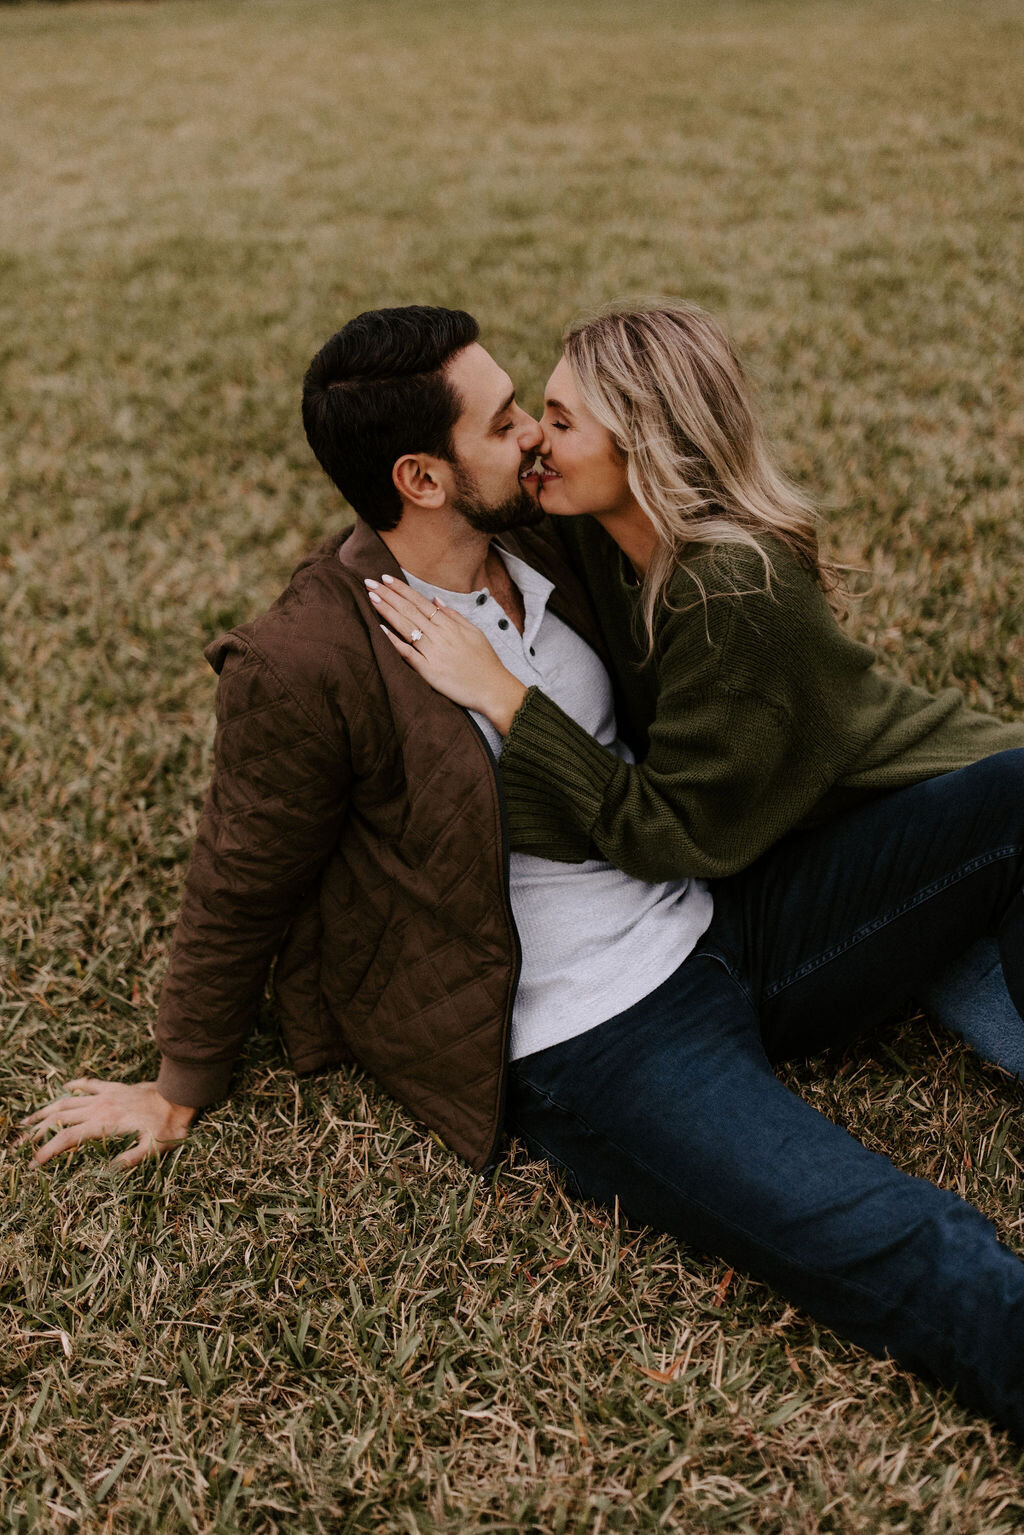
504,702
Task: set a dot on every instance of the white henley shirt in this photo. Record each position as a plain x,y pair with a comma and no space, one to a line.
594,940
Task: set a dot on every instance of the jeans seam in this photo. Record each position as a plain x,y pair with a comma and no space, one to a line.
809,1270
877,923
732,971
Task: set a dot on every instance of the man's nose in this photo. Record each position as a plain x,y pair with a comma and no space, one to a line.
530,434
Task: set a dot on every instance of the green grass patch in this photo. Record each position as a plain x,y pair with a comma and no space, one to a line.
312,1317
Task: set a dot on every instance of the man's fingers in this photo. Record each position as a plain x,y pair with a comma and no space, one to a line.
63,1141
40,1114
66,1121
80,1085
102,1111
53,1119
148,1145
144,1147
59,1106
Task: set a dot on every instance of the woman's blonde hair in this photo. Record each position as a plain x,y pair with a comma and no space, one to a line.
665,382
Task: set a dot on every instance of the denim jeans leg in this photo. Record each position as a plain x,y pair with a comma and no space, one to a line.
970,998
839,927
673,1109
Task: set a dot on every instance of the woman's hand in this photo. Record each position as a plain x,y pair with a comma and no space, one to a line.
101,1110
448,651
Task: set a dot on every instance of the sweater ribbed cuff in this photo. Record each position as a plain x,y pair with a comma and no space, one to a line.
191,1084
547,748
555,777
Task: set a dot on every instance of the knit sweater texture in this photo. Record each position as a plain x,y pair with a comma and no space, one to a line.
756,714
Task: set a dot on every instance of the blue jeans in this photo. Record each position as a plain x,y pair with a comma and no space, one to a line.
673,1107
970,998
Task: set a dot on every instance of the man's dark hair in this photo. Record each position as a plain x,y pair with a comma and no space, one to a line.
377,390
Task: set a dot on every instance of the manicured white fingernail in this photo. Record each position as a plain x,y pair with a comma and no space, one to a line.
368,582
373,596
389,579
440,603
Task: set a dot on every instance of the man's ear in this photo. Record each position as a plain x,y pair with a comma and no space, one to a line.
415,476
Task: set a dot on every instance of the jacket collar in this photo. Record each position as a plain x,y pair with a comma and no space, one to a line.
361,550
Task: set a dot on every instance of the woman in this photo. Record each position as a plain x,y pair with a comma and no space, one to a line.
754,715
751,710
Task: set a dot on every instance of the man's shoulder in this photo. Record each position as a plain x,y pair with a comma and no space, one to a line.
314,635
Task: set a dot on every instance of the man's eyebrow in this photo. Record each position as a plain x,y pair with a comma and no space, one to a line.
502,408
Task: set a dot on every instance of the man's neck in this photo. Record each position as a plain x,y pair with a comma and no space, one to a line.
460,560
455,561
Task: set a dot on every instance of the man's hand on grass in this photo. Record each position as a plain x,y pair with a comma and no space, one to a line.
94,1111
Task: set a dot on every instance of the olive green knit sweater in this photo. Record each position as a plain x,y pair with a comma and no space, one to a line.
756,714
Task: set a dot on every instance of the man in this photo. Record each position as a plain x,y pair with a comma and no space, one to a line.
353,829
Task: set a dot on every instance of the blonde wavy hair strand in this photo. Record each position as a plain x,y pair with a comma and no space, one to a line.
666,384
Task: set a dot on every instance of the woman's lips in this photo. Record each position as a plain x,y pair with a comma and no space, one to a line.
537,477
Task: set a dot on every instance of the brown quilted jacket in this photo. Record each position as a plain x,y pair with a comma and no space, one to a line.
353,828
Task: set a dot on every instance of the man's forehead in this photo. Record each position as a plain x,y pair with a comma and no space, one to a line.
482,384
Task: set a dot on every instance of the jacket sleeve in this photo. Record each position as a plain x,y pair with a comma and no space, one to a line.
732,763
274,809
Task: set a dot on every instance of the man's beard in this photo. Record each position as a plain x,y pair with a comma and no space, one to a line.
519,511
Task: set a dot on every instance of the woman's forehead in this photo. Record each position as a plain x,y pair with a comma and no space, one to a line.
561,386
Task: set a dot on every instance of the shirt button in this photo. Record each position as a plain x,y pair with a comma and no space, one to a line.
532,651
502,623
481,599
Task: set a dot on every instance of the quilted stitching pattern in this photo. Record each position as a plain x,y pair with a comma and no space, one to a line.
353,828
351,823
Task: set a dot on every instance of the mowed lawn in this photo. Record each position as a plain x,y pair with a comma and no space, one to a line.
313,1317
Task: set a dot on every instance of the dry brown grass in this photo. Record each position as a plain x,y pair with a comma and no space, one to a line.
312,1317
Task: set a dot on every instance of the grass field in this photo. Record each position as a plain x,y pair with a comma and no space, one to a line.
312,1317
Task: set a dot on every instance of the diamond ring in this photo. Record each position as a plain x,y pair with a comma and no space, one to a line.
417,634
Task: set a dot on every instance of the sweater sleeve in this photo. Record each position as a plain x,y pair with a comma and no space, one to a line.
273,812
733,762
